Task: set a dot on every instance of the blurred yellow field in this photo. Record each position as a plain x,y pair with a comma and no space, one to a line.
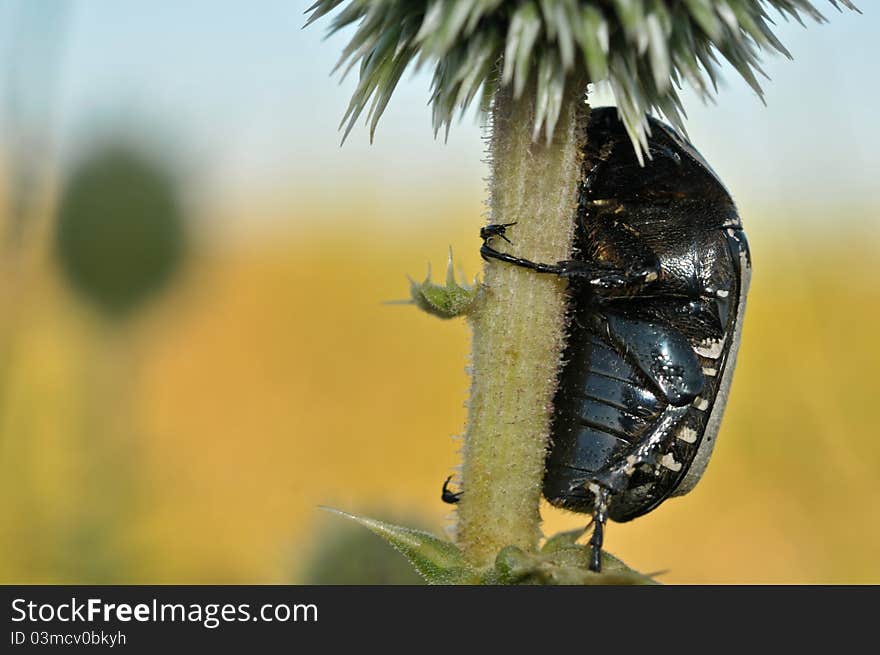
196,446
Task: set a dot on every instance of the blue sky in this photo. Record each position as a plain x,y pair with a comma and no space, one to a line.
242,95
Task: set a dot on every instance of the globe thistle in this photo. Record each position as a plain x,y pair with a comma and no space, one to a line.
644,49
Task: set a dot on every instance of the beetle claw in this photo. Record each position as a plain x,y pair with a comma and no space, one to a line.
447,496
489,232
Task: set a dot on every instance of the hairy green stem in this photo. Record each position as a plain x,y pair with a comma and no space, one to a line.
519,327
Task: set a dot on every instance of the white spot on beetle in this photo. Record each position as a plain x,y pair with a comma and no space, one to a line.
710,348
688,435
710,371
722,293
668,461
701,404
631,462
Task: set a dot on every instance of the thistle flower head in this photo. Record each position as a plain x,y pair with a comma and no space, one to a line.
645,50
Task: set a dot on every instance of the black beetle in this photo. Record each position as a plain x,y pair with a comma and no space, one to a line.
657,296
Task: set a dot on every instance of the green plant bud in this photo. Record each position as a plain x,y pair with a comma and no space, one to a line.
447,300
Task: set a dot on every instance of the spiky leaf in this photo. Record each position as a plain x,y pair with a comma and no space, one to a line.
436,560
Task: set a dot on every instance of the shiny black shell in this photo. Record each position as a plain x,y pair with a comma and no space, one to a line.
654,363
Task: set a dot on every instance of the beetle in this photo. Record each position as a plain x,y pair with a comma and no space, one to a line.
657,294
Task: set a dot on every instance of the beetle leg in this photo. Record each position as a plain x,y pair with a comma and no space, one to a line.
615,476
447,496
489,232
488,252
569,269
600,516
605,280
630,261
609,282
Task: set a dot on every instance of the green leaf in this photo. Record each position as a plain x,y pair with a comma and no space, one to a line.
562,540
560,562
436,560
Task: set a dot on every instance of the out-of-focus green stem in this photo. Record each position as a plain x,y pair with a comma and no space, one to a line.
519,327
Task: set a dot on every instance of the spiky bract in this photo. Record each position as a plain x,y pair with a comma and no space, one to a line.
645,49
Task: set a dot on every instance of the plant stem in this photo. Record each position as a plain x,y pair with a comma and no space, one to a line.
519,327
